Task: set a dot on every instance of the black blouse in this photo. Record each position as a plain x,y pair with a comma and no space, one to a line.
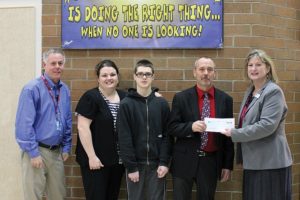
93,106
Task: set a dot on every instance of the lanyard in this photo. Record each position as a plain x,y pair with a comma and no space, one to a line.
55,102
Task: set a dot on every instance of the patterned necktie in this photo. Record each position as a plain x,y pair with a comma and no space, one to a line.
205,113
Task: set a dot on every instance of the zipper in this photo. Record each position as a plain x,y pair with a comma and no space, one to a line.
148,147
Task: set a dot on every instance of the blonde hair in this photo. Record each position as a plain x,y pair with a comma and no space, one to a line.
272,75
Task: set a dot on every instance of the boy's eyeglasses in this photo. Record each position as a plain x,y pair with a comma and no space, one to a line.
141,74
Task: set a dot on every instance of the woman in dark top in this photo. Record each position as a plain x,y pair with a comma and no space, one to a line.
97,150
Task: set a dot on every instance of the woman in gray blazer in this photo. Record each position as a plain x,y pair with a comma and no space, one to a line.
262,145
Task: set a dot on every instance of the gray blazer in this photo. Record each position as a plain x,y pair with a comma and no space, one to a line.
262,136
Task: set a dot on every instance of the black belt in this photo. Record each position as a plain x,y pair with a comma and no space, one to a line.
205,154
50,147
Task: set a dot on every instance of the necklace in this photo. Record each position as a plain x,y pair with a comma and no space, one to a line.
112,97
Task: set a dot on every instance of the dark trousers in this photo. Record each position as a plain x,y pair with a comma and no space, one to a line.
205,178
102,184
149,186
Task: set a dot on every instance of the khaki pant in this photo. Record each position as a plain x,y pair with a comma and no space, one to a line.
49,180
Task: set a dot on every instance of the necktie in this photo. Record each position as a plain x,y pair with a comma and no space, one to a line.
55,92
205,113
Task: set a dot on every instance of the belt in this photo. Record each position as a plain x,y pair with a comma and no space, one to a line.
50,147
205,154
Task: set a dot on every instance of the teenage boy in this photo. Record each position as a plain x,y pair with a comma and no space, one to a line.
144,145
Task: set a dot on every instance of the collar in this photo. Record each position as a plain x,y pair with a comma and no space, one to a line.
210,91
51,83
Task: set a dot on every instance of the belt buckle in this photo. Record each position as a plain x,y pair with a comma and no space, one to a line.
201,153
53,147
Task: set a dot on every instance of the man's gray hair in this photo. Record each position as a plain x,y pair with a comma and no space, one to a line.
53,51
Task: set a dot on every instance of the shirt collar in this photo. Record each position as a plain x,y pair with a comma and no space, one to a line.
210,91
51,83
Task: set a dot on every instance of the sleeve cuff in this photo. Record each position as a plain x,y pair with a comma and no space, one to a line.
66,149
34,153
132,169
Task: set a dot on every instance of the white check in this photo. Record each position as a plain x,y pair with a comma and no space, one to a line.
218,124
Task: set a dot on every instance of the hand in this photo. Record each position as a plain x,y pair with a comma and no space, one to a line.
225,175
226,132
65,156
95,163
198,126
157,94
162,171
37,162
134,177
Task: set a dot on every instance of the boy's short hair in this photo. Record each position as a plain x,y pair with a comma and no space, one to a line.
144,63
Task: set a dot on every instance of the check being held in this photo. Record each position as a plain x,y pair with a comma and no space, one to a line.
218,124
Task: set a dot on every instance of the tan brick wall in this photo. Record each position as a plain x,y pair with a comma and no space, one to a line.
272,25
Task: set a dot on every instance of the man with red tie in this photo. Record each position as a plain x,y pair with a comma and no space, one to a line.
199,156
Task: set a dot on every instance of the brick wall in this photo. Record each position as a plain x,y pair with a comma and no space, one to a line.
272,25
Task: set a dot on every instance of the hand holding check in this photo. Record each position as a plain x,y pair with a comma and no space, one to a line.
221,125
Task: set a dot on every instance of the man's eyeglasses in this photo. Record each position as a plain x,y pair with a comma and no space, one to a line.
141,74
